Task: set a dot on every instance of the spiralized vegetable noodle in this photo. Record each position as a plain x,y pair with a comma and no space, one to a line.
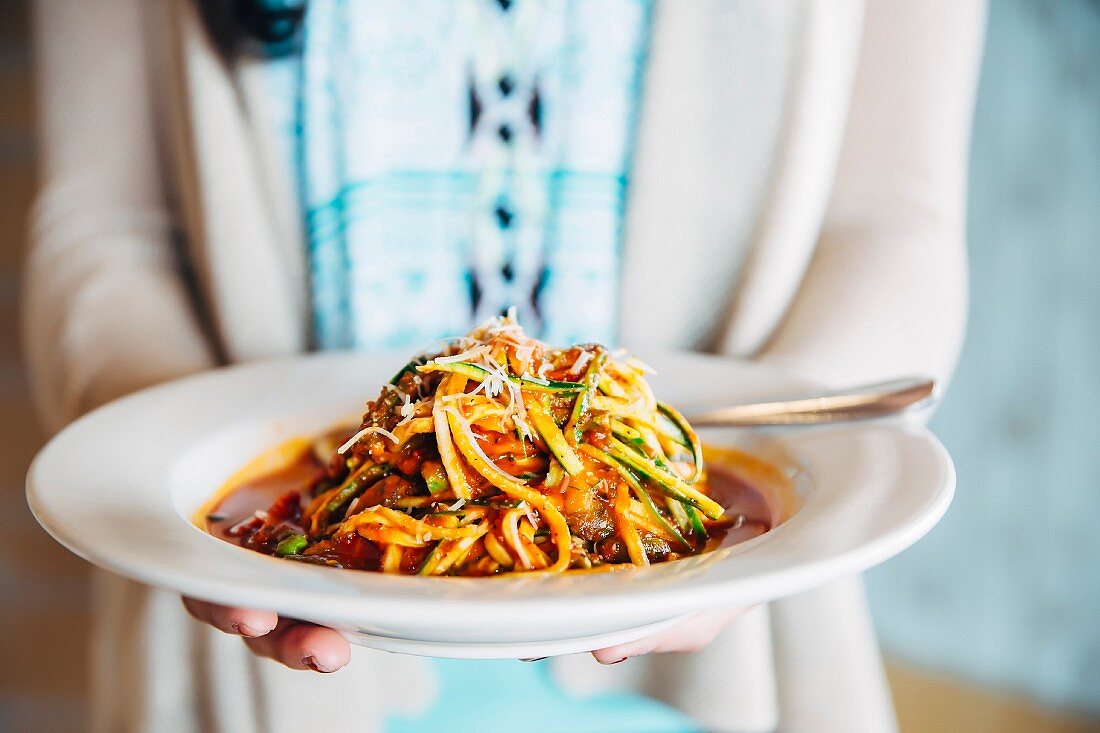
500,454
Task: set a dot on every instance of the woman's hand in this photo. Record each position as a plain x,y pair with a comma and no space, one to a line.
296,644
690,635
301,645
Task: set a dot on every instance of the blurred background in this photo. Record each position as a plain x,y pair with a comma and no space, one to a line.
991,623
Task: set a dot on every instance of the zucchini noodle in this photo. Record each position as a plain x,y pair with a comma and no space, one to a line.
501,454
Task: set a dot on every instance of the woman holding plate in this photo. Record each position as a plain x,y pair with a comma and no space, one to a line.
235,180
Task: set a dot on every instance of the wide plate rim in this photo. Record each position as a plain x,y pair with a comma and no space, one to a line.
388,601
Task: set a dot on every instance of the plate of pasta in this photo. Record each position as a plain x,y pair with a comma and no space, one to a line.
491,496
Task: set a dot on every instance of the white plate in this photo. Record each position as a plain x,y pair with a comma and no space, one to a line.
118,487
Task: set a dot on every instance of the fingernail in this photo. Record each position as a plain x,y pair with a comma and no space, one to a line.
619,660
313,664
533,659
244,630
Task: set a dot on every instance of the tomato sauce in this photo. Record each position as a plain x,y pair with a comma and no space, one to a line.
755,494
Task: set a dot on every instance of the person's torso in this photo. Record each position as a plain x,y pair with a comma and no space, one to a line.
709,152
696,161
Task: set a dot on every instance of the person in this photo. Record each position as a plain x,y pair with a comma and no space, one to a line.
230,181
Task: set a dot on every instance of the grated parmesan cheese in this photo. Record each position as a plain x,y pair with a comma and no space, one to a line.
524,354
501,326
497,379
407,411
467,355
582,361
367,431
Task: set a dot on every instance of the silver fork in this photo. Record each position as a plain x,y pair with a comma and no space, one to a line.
856,403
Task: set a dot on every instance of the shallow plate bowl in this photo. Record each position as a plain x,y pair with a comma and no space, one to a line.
119,486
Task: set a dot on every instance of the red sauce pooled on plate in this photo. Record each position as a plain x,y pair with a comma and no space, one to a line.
285,490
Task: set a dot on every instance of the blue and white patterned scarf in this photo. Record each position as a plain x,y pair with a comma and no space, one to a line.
457,157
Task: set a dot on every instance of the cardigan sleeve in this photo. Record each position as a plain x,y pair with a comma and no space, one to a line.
106,308
885,294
